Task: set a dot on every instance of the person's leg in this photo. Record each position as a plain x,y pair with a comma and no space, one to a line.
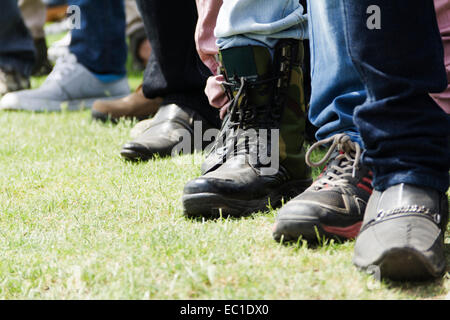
175,73
405,134
33,12
334,205
16,49
261,60
139,48
336,86
443,16
34,15
100,43
135,105
133,17
95,69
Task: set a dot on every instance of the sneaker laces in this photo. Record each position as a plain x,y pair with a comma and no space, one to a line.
64,66
347,161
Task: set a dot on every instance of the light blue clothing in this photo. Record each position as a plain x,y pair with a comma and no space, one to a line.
336,85
260,22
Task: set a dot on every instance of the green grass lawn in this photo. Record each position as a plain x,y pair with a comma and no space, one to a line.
78,222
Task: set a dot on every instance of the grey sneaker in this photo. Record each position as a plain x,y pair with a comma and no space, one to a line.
12,81
70,86
403,233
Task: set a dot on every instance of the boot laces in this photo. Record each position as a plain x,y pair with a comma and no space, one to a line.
245,115
347,161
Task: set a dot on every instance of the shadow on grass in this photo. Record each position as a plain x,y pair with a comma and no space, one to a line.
218,217
431,289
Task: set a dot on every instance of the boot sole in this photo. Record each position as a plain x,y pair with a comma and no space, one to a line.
213,205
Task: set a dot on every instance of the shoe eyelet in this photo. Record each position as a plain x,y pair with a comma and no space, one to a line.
437,218
380,215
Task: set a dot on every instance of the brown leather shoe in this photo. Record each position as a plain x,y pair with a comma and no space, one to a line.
135,105
56,13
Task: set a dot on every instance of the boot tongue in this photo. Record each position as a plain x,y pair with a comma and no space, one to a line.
244,68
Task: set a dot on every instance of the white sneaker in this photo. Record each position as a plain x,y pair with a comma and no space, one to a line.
70,86
59,48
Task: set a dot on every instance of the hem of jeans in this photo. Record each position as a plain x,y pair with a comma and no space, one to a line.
354,136
421,180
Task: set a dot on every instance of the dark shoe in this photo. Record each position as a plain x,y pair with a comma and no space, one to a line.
42,66
170,127
403,233
136,105
334,205
266,95
12,81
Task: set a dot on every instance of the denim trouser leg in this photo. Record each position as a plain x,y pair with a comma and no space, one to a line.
403,129
175,71
259,22
336,85
100,43
16,44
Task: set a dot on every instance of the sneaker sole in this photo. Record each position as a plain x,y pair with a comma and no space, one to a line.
212,205
407,264
313,230
58,106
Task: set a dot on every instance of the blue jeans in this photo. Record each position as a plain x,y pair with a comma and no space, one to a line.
16,45
336,86
100,43
404,131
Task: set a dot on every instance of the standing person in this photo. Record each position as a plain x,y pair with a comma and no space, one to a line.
403,131
176,74
443,16
34,16
17,54
95,68
264,76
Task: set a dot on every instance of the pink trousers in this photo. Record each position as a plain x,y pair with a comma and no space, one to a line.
443,16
